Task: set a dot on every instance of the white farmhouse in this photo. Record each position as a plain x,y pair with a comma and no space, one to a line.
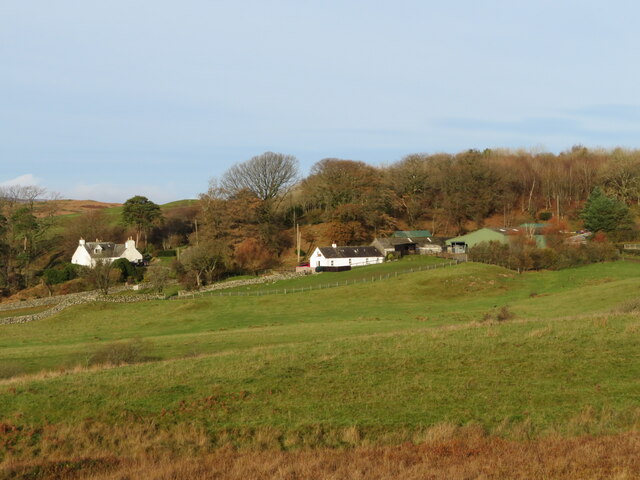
88,253
335,256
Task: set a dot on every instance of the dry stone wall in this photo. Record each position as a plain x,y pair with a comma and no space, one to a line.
241,283
44,301
79,299
61,302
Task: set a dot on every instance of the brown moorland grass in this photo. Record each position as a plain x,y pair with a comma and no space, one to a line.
454,454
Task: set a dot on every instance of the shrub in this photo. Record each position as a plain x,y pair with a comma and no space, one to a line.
60,274
10,369
188,280
504,314
128,270
500,315
630,306
545,216
490,252
73,286
158,277
543,258
120,353
253,256
166,253
522,256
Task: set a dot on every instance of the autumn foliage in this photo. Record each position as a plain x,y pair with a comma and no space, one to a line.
253,256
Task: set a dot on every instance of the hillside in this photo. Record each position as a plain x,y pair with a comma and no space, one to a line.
74,207
69,207
371,364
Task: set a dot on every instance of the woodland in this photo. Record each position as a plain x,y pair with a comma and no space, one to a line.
246,221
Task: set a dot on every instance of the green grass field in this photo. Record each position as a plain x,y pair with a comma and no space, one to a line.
385,359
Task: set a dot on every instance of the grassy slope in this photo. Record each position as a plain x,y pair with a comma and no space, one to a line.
213,324
390,357
547,373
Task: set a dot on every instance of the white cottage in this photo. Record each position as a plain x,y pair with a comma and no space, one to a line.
335,256
88,253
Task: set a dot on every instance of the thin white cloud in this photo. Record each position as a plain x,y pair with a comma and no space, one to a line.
106,192
26,179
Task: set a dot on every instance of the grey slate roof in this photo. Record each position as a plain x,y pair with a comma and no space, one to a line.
109,249
432,241
390,242
349,252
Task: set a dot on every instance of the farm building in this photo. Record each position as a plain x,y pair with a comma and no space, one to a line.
334,256
407,245
89,253
430,245
463,243
395,245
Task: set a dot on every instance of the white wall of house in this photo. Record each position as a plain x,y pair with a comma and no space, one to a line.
81,256
131,253
319,260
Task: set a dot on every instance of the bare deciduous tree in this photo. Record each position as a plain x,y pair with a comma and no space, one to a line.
268,176
102,276
158,277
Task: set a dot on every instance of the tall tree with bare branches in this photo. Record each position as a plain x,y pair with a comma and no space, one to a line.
268,176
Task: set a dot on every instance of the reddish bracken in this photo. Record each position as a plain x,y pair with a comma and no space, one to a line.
476,457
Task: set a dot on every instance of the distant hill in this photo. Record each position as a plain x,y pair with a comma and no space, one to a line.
70,207
77,207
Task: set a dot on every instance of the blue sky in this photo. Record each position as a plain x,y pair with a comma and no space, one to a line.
105,100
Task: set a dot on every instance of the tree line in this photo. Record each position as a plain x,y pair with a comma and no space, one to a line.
243,222
443,192
247,213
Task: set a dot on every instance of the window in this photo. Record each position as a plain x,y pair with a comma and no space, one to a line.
332,263
349,261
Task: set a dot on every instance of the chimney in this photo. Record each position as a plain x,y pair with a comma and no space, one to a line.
334,245
82,242
130,243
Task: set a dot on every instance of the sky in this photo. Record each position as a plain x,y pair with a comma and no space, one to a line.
106,100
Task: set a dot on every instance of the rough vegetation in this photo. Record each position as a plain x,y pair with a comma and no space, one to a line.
347,382
473,371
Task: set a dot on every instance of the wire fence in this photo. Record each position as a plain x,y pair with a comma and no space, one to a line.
322,286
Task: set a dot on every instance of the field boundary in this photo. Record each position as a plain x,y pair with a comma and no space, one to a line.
70,302
89,297
340,283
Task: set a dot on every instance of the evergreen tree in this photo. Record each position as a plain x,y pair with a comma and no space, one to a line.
605,214
142,213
